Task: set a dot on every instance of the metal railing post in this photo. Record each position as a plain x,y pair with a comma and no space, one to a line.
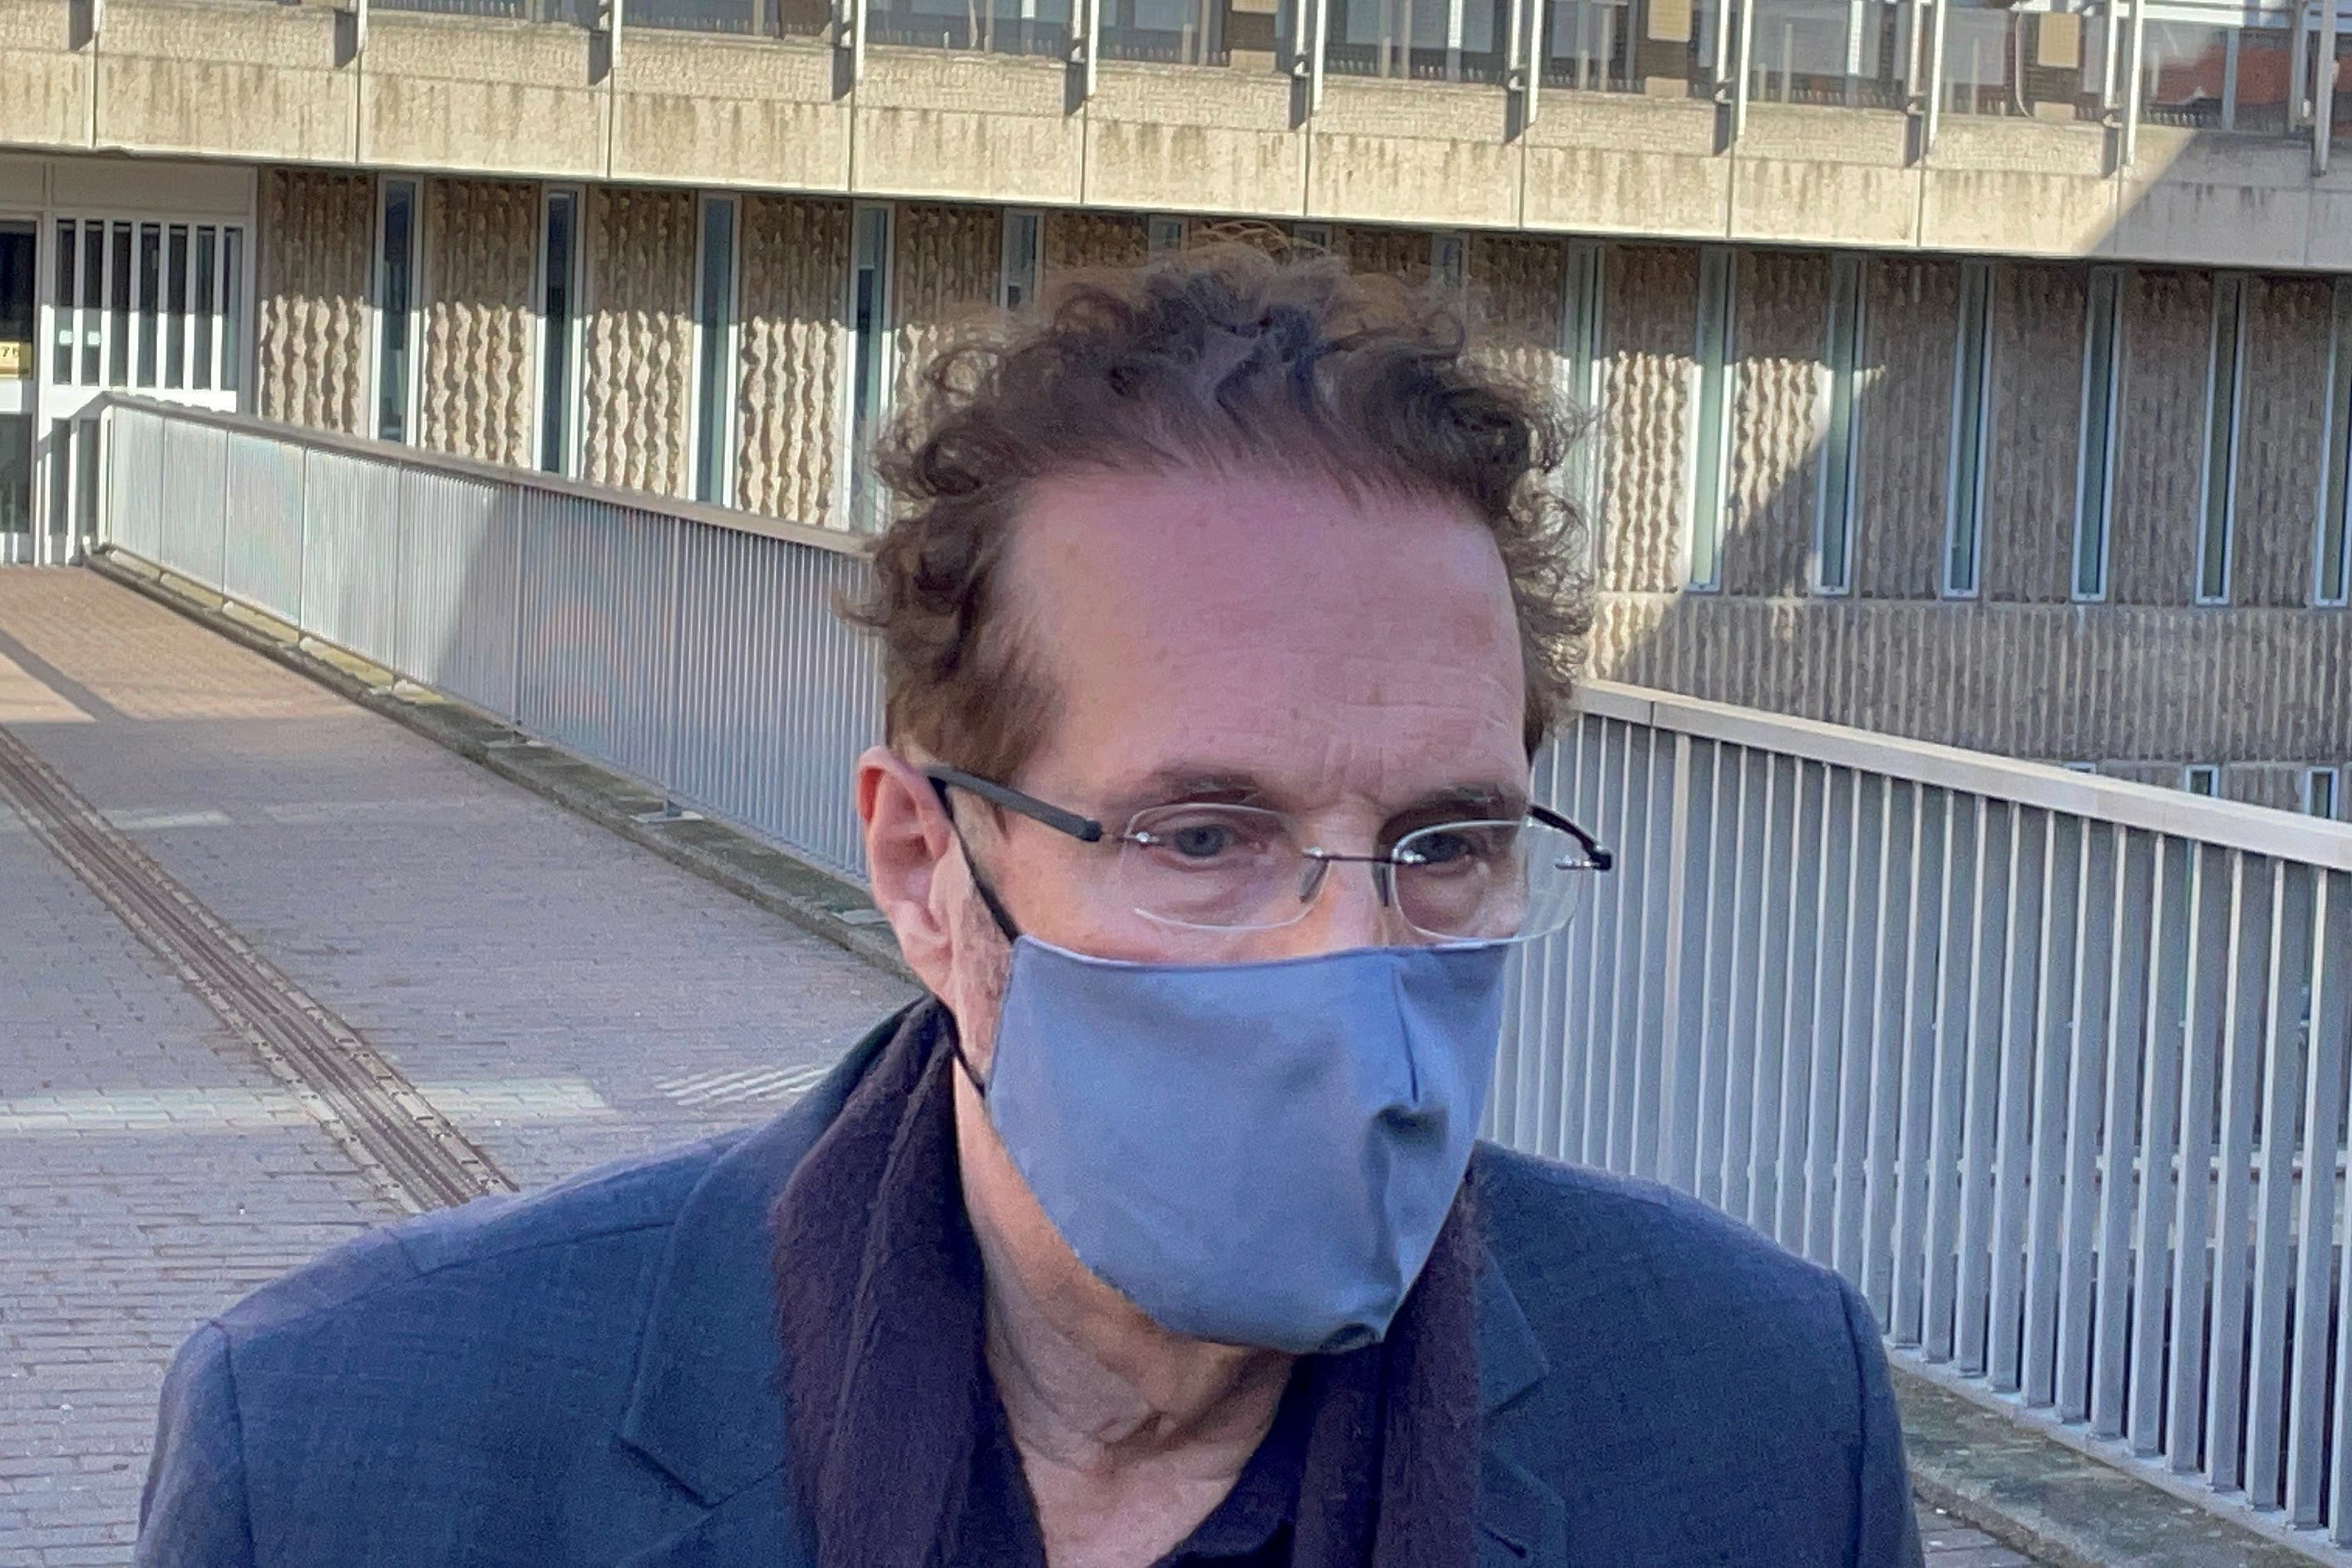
1739,85
2323,107
1932,106
1320,13
2134,68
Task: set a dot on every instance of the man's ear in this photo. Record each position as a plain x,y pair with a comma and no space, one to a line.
908,839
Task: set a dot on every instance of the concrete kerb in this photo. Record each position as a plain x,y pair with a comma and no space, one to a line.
815,900
2023,1487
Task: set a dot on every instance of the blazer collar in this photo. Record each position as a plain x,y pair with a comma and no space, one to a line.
705,1405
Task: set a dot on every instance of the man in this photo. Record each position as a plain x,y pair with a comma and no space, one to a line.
1223,613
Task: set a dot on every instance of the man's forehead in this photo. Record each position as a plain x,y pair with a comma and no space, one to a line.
1270,626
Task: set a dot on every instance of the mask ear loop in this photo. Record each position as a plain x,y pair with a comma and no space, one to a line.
997,912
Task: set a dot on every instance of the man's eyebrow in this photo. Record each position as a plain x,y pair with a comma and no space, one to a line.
1187,781
1466,801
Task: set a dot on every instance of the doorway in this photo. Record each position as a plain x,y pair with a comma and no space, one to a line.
19,260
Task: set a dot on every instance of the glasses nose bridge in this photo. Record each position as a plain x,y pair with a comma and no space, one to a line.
1317,868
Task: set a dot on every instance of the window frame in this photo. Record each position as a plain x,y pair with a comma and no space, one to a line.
2218,509
567,397
1584,286
2207,773
716,464
850,451
2111,280
1839,385
1014,220
1716,327
1978,284
1315,233
1449,264
413,325
2332,777
1164,233
2334,491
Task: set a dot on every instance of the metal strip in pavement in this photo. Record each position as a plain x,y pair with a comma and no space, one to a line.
390,1129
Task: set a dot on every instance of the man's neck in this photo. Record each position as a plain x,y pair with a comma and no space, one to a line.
1128,1436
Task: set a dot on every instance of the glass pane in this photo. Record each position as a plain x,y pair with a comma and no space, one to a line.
2229,78
15,473
2221,429
1713,374
1972,356
1416,38
204,308
993,27
1017,271
868,320
1848,52
117,314
1836,521
85,456
148,307
395,263
232,288
2098,417
714,328
699,15
61,370
1182,32
93,300
2335,537
175,295
555,336
60,474
2045,65
1659,47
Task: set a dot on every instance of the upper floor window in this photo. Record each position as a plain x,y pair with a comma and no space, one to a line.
2202,778
396,309
2095,473
1711,418
1449,265
1164,234
2219,511
1318,234
2332,564
1972,419
1581,358
1834,515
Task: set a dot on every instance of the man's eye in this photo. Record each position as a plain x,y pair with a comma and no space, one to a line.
1200,840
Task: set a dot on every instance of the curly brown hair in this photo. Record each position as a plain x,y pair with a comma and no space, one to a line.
1224,357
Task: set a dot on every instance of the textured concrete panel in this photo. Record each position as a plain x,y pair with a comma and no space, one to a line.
1602,163
313,245
2174,684
1837,176
1076,240
945,285
2020,187
444,93
241,81
1904,409
795,281
52,86
2036,387
970,127
2161,437
2282,440
2222,201
1515,306
1648,348
481,241
638,354
1413,151
1190,139
1781,325
722,111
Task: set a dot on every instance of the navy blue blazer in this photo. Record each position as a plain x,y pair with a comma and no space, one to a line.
587,1375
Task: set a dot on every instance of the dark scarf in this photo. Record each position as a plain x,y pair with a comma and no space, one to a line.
881,1315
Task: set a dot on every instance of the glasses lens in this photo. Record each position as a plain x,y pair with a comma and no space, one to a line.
1490,881
1223,867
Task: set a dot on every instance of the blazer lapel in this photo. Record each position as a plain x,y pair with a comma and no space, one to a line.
1522,1520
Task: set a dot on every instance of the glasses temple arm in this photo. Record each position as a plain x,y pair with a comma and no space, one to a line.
1083,828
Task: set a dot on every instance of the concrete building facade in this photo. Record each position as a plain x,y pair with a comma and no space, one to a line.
1981,374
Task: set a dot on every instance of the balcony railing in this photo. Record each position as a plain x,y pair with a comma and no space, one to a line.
2054,1068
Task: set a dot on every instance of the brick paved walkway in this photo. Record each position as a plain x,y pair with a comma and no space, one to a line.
561,995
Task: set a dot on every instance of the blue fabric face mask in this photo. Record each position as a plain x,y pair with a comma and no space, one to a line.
1252,1153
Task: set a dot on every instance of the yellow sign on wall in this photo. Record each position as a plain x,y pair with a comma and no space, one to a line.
16,358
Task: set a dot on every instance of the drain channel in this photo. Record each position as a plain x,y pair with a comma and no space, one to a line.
408,1149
